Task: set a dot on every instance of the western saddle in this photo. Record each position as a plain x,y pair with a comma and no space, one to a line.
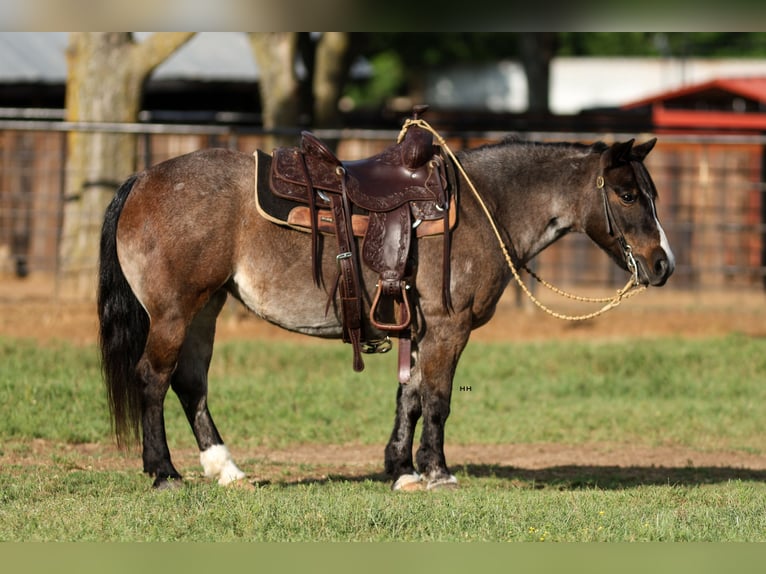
384,199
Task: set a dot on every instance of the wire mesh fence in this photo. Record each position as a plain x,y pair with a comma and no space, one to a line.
711,202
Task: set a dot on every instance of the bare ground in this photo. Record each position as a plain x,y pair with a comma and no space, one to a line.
30,309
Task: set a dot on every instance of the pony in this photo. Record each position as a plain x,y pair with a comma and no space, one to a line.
181,236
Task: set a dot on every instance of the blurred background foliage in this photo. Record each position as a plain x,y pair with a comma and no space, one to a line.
396,57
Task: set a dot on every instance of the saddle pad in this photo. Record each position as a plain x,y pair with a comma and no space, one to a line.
275,208
296,215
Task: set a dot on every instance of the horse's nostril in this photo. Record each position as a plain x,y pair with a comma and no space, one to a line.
662,268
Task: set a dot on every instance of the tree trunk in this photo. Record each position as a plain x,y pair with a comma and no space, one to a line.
537,50
275,54
106,74
330,73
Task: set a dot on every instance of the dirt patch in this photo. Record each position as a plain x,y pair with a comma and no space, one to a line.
525,465
30,309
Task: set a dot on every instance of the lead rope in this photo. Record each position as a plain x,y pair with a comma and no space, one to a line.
631,288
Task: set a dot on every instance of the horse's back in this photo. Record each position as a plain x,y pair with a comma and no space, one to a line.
198,177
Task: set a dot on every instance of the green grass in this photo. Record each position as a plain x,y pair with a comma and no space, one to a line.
705,394
87,506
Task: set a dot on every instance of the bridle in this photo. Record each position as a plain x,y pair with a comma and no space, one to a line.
614,231
631,288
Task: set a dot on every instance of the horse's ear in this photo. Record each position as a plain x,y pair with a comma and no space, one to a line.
617,153
642,150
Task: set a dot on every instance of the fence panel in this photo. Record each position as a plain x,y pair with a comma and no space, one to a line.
711,198
31,180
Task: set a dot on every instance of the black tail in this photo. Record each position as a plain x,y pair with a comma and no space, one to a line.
123,328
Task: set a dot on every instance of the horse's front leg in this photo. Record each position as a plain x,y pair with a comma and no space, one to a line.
427,395
399,449
436,392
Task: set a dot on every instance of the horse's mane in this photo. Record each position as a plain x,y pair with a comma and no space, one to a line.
513,142
513,146
516,139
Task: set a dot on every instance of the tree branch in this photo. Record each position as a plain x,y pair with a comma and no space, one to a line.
150,53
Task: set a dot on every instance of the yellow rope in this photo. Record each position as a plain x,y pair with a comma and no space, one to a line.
631,287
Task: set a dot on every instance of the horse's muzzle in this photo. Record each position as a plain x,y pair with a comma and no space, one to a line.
657,269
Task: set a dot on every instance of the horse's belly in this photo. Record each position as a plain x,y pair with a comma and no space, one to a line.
301,309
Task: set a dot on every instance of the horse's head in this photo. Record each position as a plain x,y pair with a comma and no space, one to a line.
623,219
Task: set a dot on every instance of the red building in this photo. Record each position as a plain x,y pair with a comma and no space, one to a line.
711,187
726,105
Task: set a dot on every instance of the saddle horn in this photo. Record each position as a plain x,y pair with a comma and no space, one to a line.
417,147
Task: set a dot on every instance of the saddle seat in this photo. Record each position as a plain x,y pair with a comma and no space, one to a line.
380,183
406,180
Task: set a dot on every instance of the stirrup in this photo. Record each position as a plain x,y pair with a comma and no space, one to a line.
404,322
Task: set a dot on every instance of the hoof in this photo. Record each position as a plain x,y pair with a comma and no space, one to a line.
409,483
448,483
231,476
217,463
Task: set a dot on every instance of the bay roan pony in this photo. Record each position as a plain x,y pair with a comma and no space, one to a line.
182,235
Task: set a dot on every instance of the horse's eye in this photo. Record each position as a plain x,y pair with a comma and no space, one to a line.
627,197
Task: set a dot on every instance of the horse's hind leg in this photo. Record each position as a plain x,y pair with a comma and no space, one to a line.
155,369
162,363
189,382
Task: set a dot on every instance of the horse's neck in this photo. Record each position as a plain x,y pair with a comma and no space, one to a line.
535,197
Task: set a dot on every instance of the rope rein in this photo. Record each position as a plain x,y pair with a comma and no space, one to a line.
630,289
